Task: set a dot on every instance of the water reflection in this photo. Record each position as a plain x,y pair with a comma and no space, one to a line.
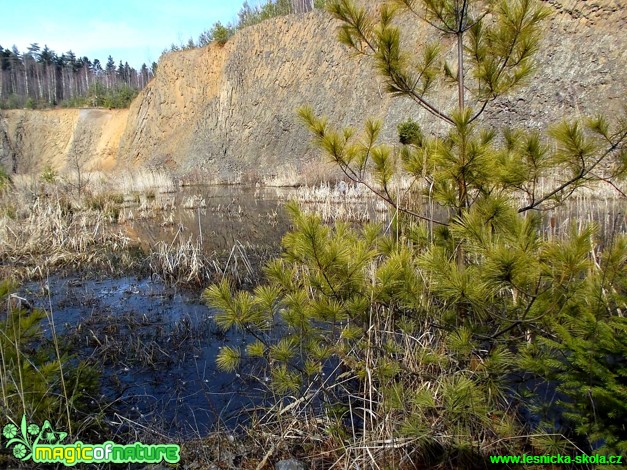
217,216
221,216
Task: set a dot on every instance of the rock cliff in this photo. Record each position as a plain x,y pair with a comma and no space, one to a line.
228,111
31,140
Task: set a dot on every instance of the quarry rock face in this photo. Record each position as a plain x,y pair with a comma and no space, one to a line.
32,140
223,112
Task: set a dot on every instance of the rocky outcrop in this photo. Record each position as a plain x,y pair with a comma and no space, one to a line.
235,106
228,111
30,140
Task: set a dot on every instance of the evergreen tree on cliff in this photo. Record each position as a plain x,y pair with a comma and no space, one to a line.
463,332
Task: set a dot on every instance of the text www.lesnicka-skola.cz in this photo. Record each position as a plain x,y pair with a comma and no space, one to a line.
557,459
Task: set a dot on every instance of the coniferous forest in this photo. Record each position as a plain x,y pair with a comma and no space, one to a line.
40,77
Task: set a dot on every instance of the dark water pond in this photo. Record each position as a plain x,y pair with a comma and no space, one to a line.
156,345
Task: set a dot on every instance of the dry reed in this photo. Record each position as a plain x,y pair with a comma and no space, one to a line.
51,233
181,262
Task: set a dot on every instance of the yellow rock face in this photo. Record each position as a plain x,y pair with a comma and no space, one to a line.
55,138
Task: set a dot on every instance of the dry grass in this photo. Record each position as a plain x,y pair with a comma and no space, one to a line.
287,175
238,266
306,174
332,193
46,225
144,180
51,233
129,184
341,201
180,262
599,204
356,212
184,262
194,202
204,177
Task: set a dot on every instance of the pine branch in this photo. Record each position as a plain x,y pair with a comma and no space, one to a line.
387,198
404,86
610,182
425,19
581,175
480,112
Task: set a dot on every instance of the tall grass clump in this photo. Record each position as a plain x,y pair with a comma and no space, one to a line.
52,233
184,263
342,201
46,223
180,262
143,180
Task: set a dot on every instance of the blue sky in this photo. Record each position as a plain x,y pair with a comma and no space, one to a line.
136,31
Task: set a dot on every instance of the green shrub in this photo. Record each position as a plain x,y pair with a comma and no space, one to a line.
49,174
220,33
5,179
409,132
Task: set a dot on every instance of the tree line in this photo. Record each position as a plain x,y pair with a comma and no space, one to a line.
248,16
42,78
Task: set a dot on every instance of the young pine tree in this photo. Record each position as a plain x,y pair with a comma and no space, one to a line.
446,337
38,377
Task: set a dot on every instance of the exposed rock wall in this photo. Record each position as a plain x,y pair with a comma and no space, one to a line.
234,107
30,140
226,111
